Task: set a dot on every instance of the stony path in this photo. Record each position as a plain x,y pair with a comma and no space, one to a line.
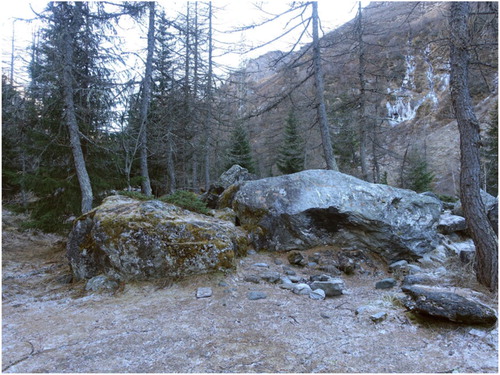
50,326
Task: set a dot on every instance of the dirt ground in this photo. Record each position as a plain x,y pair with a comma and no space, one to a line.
49,325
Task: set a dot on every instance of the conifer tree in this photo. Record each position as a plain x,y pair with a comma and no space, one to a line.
291,152
239,150
416,173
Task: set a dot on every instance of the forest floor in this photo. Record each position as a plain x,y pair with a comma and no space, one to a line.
50,325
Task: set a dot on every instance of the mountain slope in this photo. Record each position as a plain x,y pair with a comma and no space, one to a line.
408,112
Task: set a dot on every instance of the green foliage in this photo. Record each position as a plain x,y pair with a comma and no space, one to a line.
239,150
447,198
136,195
187,200
416,173
291,152
383,180
490,154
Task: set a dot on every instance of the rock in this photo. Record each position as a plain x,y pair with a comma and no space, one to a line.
296,258
296,279
319,277
332,287
100,282
448,305
331,269
138,240
204,292
233,176
385,283
325,315
252,279
451,223
255,295
398,265
491,207
378,317
412,268
288,271
493,215
317,294
302,289
423,279
278,262
271,277
323,207
261,265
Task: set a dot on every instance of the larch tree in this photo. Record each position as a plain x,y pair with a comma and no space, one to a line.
320,93
485,240
145,103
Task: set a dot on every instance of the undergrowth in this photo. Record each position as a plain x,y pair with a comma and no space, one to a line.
187,200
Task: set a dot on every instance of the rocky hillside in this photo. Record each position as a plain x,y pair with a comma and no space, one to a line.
408,107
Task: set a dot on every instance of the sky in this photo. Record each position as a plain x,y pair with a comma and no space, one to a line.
229,14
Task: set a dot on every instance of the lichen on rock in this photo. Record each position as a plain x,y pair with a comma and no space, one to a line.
134,240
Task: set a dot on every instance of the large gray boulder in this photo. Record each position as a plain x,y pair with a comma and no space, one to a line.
129,239
322,207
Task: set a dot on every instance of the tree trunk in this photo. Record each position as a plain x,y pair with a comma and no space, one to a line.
146,99
320,99
70,116
208,117
485,240
363,131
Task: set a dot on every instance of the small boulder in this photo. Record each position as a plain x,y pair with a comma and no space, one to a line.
99,283
317,294
271,277
385,283
332,287
448,305
398,265
302,289
296,258
451,223
252,279
378,317
255,295
204,292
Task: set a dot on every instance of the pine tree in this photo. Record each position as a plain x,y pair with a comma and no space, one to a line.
239,150
291,153
416,175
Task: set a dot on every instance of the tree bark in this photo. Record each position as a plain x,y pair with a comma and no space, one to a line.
485,240
146,99
363,130
320,98
208,117
70,111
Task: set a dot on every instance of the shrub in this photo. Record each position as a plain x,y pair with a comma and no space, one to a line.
187,200
136,195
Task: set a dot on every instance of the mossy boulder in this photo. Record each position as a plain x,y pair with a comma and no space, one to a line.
139,240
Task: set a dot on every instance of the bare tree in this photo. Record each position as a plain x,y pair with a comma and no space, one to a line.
320,94
146,99
485,240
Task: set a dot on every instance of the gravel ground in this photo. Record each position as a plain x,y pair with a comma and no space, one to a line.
52,326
